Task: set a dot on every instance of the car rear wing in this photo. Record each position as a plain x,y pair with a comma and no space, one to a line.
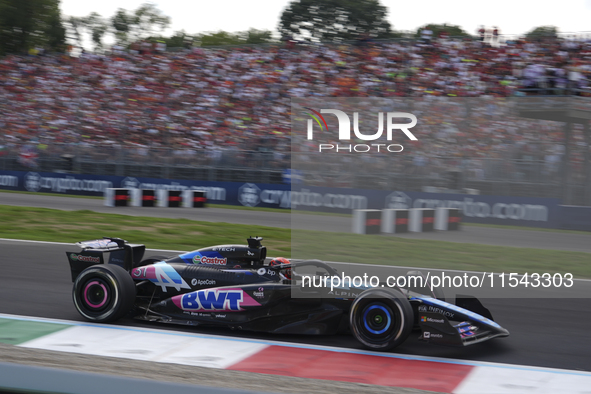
112,250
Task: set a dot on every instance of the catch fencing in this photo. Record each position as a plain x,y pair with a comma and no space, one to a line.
532,174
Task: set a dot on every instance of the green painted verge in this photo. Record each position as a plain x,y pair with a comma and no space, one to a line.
15,332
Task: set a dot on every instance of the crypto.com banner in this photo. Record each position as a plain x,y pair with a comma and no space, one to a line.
473,148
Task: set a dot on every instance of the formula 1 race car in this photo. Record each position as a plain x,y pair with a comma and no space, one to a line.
233,286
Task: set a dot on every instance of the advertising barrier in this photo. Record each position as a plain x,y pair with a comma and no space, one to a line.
504,210
575,218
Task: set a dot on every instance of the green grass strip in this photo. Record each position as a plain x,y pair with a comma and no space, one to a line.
182,234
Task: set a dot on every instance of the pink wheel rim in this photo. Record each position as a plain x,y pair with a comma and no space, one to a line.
88,302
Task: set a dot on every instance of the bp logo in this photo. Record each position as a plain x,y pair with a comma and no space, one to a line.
32,181
249,195
398,200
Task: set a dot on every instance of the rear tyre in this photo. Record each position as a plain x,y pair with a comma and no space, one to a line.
381,319
104,293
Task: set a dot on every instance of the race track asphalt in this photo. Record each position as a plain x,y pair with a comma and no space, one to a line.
35,281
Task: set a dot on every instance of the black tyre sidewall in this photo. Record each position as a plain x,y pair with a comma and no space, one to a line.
402,319
119,298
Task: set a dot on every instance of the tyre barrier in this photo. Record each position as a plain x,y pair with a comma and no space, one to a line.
421,220
396,221
194,199
117,197
169,198
447,219
123,197
367,221
143,198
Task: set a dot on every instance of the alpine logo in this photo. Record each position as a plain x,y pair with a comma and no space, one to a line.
161,274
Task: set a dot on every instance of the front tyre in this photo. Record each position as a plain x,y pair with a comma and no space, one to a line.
381,319
103,293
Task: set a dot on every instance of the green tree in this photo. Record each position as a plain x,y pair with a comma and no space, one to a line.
97,27
542,32
146,19
179,39
254,36
220,38
334,20
25,24
139,24
122,25
451,30
76,26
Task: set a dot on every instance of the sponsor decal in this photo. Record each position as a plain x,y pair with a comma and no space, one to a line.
248,195
472,208
219,316
251,195
214,300
85,259
203,282
343,294
224,249
8,180
474,316
161,274
306,198
260,293
423,318
265,271
200,259
429,335
32,181
430,308
130,183
35,182
214,260
249,253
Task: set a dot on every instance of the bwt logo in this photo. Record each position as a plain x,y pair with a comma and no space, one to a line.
345,130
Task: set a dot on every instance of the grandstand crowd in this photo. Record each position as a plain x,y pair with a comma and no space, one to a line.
203,102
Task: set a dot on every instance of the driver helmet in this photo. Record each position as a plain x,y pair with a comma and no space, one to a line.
284,273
